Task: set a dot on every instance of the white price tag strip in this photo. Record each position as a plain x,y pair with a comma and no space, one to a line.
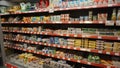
117,54
100,22
54,45
118,23
68,47
51,10
58,45
52,55
100,52
78,61
75,35
63,58
58,57
118,38
68,58
88,50
89,63
48,54
48,44
63,46
99,37
75,48
108,53
109,23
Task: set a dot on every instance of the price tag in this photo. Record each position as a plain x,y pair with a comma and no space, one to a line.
118,23
75,35
117,54
68,47
78,61
61,34
88,50
108,53
100,52
75,48
67,34
46,33
89,63
24,49
109,23
100,22
40,43
63,58
36,42
29,51
58,57
51,10
109,5
99,37
52,55
38,53
43,53
69,22
68,58
45,44
35,52
48,44
63,46
48,54
32,42
54,45
83,36
59,46
118,38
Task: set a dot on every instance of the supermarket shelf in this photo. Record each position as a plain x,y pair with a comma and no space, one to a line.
69,35
63,58
68,47
63,9
110,23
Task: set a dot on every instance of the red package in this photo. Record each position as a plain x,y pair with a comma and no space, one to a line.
44,3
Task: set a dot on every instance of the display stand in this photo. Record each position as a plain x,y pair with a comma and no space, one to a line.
2,52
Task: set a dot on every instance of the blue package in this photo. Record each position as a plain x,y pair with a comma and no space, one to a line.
56,40
51,40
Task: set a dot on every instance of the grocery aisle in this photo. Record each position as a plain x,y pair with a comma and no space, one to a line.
61,34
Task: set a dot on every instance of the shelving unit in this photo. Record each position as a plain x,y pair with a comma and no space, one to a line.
106,23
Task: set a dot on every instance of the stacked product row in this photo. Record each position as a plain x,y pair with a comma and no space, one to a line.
83,43
65,17
70,54
69,30
52,4
30,61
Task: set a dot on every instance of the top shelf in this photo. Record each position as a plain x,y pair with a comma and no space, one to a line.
64,9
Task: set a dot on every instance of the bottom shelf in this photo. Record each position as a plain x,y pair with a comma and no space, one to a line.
64,58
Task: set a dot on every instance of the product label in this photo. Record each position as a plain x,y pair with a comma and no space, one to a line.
109,23
118,23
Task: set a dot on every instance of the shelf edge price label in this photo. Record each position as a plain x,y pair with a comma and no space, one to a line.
117,54
118,23
100,52
108,53
118,38
109,23
51,10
